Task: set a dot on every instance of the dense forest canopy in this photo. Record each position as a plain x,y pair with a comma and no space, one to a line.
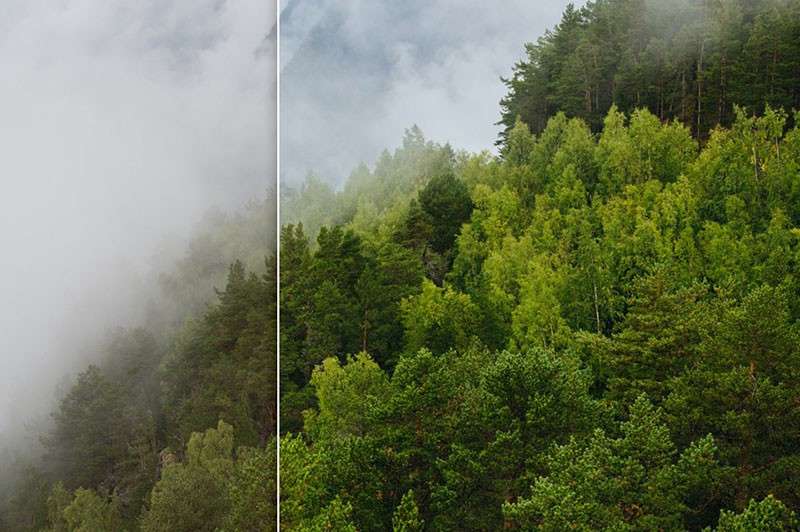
608,340
690,60
173,425
596,329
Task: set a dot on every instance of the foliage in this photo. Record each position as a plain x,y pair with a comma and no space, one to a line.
191,495
252,490
406,516
768,515
631,482
609,342
687,60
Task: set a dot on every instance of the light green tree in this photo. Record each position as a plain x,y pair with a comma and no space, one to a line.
191,495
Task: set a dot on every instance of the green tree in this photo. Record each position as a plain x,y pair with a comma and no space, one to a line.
89,436
446,200
439,318
344,394
769,515
618,483
191,495
252,490
58,500
90,512
406,516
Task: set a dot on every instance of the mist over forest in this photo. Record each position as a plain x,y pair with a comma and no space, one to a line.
539,266
139,165
355,74
123,126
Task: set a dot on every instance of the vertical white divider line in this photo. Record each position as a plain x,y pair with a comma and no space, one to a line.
278,260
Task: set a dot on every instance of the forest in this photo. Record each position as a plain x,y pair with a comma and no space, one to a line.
690,60
595,329
173,427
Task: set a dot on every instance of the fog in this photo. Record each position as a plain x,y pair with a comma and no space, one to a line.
356,73
121,123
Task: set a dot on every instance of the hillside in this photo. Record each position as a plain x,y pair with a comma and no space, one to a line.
596,329
172,426
609,321
690,60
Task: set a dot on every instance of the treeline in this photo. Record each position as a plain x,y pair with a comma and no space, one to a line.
173,428
689,60
366,193
590,331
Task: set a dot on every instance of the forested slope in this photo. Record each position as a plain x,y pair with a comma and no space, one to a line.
690,60
172,428
597,329
590,331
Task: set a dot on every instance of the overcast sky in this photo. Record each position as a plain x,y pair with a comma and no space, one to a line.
121,123
356,73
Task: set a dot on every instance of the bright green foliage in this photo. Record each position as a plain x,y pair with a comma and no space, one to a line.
537,320
626,276
768,515
344,394
746,164
309,476
300,490
334,518
518,149
438,318
644,150
191,496
406,516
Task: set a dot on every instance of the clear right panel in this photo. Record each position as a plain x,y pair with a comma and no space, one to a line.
539,265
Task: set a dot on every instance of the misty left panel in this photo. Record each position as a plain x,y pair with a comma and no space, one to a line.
138,337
